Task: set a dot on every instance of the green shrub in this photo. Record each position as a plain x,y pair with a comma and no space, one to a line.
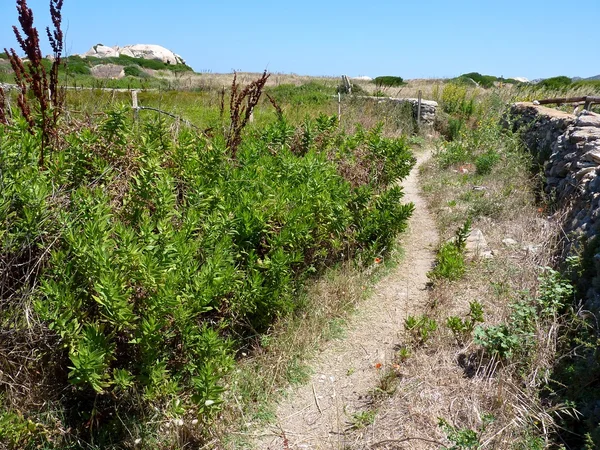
463,328
450,263
560,83
455,152
450,259
153,257
455,126
358,90
388,81
465,438
498,340
485,162
512,339
420,328
125,61
3,55
77,67
457,100
555,292
135,71
486,81
516,336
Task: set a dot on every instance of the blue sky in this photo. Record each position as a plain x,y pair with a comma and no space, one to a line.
417,39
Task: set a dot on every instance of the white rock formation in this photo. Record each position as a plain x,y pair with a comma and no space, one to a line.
157,52
102,51
146,51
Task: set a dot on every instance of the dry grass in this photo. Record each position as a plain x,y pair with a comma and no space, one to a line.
445,380
218,80
280,359
187,80
458,383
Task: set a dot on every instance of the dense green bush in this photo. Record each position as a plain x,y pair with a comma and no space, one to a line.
485,81
135,71
556,83
154,64
485,162
388,81
457,100
148,259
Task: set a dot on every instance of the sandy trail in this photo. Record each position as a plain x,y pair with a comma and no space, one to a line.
318,415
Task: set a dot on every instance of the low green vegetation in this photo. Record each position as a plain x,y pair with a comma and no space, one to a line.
463,328
76,71
362,419
560,83
563,84
308,94
464,438
420,328
514,339
388,81
484,81
125,61
135,71
142,259
450,259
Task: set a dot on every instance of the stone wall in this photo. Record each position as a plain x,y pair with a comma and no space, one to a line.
567,148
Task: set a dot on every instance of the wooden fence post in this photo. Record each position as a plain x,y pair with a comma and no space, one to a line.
419,108
134,100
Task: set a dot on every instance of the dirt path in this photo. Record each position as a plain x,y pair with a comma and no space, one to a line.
318,414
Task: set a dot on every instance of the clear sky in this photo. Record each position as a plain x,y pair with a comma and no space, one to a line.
416,39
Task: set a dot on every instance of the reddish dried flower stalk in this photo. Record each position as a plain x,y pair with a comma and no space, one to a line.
34,77
56,42
22,78
240,113
222,102
278,109
3,112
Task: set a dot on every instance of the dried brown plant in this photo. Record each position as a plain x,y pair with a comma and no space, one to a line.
241,106
278,109
55,37
3,108
21,77
34,76
222,102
